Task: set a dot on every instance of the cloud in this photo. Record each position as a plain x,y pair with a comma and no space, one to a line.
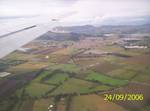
76,11
97,11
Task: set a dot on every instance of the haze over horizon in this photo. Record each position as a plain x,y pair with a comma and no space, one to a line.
77,12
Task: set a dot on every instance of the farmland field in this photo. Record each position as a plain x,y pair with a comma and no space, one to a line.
37,89
69,71
105,79
42,104
93,102
57,79
73,86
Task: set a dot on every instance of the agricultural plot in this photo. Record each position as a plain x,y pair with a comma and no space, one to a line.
131,71
134,88
42,75
105,67
143,78
7,104
87,62
142,60
37,90
100,88
43,104
63,103
57,78
26,105
75,75
55,58
93,76
61,106
93,103
27,67
20,56
70,68
6,63
19,93
123,73
73,86
64,51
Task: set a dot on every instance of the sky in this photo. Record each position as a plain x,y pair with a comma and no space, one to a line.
77,12
18,14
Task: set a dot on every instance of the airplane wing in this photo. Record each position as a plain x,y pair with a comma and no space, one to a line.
14,36
13,40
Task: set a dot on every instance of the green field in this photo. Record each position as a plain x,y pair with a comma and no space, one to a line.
37,89
76,75
71,68
100,88
122,73
57,78
41,76
93,103
73,86
144,78
93,76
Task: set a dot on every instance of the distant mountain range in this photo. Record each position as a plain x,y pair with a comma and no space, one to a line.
138,20
74,33
120,29
61,36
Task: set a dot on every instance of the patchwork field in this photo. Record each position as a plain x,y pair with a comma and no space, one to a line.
133,88
68,75
37,89
93,102
42,104
57,78
105,79
73,86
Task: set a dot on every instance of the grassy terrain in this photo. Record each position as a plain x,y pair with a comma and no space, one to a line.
144,78
93,103
101,88
129,72
7,104
122,73
93,76
72,82
41,76
73,86
19,92
65,67
6,63
105,67
23,105
19,56
57,78
42,104
37,89
27,67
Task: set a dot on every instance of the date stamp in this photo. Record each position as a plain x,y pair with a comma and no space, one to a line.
123,97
